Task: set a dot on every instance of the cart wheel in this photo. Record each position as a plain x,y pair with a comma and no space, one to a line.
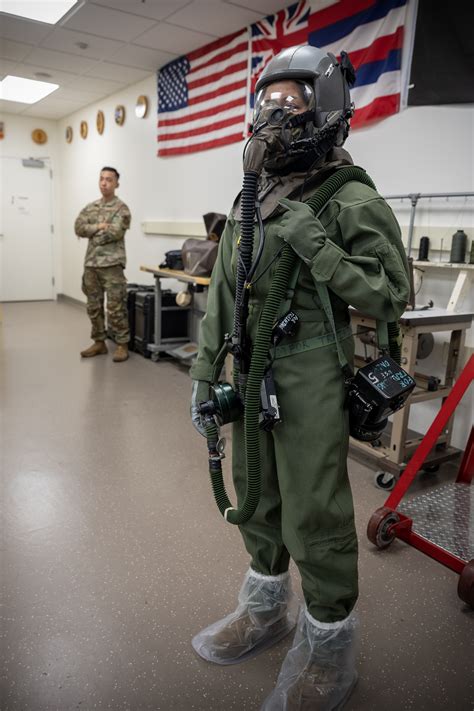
430,468
384,480
379,523
466,584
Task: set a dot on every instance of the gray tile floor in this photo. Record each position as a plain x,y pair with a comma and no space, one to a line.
114,554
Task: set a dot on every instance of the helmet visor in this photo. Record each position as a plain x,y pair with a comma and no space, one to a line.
295,97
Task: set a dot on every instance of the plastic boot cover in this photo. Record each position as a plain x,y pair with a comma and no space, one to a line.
318,673
267,611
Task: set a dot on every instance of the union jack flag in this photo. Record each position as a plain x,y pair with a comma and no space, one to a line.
286,28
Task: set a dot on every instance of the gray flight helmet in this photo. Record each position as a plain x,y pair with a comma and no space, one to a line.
321,70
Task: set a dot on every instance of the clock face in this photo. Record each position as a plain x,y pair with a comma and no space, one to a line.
119,115
84,129
141,107
39,136
100,121
68,134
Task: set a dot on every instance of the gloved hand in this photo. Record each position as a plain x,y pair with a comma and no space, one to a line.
301,229
200,393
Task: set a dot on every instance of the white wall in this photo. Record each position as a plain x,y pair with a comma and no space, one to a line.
423,149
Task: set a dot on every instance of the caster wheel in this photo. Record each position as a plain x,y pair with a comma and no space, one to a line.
385,481
430,468
466,584
379,523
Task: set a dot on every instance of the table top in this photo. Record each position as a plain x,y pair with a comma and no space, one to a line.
434,315
177,274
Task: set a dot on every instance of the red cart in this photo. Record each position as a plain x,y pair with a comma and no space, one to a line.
440,523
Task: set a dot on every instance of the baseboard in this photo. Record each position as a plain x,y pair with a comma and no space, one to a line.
71,300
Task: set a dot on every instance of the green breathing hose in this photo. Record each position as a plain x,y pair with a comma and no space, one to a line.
258,363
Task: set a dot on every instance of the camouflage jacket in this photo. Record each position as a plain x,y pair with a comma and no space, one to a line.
106,248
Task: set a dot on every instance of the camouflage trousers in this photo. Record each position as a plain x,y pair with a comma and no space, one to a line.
96,282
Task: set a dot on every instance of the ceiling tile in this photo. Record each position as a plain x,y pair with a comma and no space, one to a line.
104,86
264,7
154,9
70,93
105,22
66,41
29,71
214,17
173,39
23,30
7,67
107,70
14,50
142,57
60,60
54,110
12,107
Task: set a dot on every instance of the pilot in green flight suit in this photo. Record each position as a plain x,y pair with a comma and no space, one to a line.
306,511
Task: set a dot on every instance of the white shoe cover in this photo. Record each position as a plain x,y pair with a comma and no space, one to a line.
267,612
318,673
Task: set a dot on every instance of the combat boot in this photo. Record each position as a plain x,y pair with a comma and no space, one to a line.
121,353
97,348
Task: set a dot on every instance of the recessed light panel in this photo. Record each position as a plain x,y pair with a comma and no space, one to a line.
26,91
50,11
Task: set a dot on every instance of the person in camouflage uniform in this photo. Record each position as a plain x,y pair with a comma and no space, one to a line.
104,223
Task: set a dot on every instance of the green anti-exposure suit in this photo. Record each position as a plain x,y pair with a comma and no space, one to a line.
306,508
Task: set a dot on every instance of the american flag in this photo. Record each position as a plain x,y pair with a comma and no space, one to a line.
373,32
202,97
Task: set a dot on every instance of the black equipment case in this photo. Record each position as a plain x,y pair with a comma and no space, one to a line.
174,320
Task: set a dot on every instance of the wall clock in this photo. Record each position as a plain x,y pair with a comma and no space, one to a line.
68,134
119,115
100,121
141,106
39,136
84,129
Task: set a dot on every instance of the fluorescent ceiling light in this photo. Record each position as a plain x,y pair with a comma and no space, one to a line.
49,11
27,91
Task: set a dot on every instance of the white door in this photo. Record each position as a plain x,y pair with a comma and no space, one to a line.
26,238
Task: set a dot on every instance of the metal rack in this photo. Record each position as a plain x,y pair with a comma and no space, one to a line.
414,198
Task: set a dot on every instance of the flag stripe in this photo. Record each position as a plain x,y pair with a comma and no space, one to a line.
215,67
204,146
210,50
241,84
201,114
363,36
379,108
378,50
386,84
335,32
205,128
369,72
215,59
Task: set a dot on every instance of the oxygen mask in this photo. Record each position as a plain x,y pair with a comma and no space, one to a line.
281,111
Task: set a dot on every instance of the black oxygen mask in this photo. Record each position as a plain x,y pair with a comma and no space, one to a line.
268,138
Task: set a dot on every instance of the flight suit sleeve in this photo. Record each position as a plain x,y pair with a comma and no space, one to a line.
119,223
369,272
218,320
82,226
